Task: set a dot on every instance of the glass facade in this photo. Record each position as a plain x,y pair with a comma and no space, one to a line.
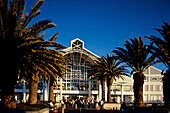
76,77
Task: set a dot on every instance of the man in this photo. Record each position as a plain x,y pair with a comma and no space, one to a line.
51,106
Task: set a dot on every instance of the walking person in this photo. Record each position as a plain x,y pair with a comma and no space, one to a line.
92,102
95,103
83,103
51,106
86,104
73,103
101,104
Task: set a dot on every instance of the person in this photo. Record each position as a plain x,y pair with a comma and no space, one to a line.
92,102
101,104
86,104
51,103
62,103
51,106
95,103
67,103
73,103
83,103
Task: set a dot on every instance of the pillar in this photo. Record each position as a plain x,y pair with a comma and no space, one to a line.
100,90
122,93
61,89
45,91
105,90
89,88
24,91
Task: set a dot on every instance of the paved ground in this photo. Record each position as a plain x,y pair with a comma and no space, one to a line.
83,110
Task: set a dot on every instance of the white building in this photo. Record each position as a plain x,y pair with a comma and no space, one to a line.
153,86
77,84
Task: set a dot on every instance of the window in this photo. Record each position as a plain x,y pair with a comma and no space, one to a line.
154,88
146,87
158,88
151,88
154,79
147,79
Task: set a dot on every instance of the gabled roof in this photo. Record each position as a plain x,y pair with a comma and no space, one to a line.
77,45
152,70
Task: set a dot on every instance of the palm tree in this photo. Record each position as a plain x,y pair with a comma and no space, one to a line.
137,56
162,51
19,44
109,68
43,62
95,74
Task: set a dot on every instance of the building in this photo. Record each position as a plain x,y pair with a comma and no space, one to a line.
78,85
153,86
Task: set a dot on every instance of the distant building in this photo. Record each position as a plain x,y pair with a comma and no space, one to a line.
153,86
78,85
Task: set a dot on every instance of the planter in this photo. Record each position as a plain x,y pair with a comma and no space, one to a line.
45,110
109,106
154,111
147,111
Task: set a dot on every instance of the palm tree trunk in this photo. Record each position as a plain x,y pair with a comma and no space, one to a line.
33,92
166,89
138,89
103,89
109,93
51,95
33,89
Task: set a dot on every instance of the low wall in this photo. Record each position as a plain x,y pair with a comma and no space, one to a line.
45,110
109,106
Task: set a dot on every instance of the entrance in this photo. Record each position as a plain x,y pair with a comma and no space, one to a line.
115,98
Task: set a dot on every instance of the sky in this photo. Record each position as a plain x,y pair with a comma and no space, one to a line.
103,25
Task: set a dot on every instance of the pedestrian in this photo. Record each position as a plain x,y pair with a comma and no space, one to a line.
83,103
95,103
86,104
92,102
73,103
67,103
62,103
101,104
51,106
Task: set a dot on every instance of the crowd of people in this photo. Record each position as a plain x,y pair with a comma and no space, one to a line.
83,103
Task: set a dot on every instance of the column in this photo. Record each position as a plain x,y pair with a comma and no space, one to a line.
61,89
105,90
89,88
100,90
24,91
45,92
122,93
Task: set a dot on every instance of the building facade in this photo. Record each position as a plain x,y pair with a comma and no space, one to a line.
76,84
153,86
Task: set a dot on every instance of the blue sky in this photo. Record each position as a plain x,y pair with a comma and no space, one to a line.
103,24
